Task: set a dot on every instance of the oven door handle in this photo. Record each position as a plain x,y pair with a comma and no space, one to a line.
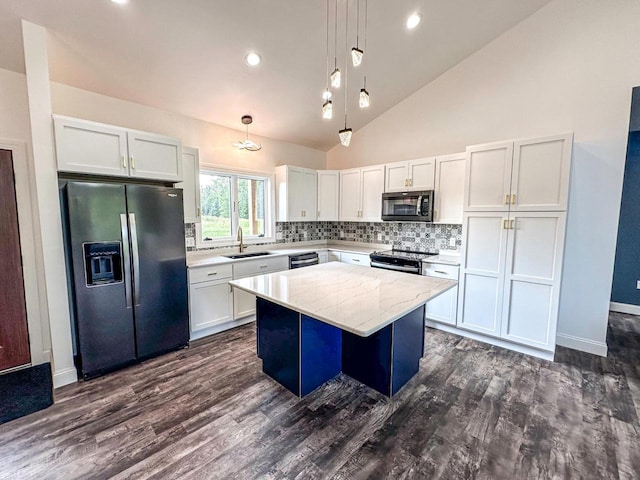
304,262
395,267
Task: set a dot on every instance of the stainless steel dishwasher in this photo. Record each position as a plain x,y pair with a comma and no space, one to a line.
303,260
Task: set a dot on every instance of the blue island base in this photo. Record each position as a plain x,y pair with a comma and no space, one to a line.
301,353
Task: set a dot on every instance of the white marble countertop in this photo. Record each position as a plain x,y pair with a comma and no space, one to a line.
217,257
358,299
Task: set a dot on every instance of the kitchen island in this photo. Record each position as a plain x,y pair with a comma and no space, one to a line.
315,322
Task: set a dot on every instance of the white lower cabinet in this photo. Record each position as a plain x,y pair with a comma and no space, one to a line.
355,258
244,304
444,307
510,275
210,299
323,256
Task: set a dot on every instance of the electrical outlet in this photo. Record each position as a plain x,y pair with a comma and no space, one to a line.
379,236
190,242
452,242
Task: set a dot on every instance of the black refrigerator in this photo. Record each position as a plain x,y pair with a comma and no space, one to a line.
127,270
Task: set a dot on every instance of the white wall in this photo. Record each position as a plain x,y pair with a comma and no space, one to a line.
213,141
568,67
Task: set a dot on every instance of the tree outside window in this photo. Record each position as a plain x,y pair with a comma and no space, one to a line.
231,200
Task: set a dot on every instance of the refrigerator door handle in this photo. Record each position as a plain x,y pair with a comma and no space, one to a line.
136,258
127,259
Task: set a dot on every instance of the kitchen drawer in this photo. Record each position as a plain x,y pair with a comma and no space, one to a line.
260,265
209,273
441,271
355,258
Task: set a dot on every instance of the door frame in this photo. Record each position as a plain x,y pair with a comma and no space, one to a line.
31,267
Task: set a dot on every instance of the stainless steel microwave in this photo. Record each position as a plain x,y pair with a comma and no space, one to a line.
408,206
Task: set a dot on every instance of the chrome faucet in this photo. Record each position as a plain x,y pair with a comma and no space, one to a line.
239,239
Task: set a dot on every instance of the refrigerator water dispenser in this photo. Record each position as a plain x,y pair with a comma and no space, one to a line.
103,263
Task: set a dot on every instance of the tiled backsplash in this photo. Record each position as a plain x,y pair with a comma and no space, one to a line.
406,235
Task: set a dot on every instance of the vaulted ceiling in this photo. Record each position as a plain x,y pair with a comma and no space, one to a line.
187,56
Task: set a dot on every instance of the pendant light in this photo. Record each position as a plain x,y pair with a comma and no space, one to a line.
327,106
364,101
247,144
356,53
335,75
345,133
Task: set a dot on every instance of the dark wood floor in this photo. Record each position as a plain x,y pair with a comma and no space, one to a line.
473,411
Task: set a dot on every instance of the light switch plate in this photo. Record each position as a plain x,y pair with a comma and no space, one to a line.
452,242
190,242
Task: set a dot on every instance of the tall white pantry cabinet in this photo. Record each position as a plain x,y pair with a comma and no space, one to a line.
515,203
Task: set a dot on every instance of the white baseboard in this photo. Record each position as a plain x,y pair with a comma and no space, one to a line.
624,308
534,352
221,328
582,344
65,377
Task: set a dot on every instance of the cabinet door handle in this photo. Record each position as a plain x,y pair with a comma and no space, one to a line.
440,272
512,224
506,199
355,260
405,182
505,224
124,161
133,162
211,274
198,210
411,182
513,199
230,288
263,266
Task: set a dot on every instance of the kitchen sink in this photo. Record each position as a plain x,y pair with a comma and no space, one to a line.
248,255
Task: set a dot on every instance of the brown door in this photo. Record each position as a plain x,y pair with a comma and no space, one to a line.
14,340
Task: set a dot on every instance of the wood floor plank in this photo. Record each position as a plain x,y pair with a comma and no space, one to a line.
472,411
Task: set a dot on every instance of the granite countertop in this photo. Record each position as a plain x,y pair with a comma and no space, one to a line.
358,299
217,257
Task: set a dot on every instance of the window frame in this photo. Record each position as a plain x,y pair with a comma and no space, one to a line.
269,207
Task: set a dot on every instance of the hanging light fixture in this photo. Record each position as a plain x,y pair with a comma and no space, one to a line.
356,52
364,101
345,133
327,106
335,75
247,144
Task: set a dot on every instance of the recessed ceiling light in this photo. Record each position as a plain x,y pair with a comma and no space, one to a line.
413,20
252,59
120,2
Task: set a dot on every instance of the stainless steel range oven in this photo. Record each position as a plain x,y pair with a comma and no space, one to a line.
400,260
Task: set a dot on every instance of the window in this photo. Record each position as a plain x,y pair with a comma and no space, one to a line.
232,200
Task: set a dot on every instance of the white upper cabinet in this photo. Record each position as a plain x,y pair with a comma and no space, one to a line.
94,148
328,195
87,147
449,189
488,177
350,193
418,174
154,157
361,194
297,193
527,175
372,189
191,184
540,178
